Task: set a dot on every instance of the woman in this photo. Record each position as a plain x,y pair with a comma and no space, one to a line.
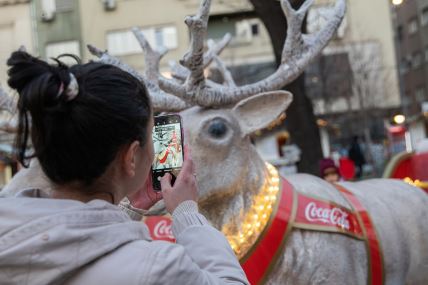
91,133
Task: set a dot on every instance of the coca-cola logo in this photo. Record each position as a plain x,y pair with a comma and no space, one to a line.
334,216
163,230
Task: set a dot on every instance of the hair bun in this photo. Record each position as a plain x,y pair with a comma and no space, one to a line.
46,81
23,69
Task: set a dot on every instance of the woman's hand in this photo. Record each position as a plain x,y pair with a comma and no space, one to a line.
184,188
146,197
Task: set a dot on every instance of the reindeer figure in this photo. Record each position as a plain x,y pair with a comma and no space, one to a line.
239,192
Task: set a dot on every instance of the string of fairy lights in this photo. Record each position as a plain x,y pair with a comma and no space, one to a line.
255,220
243,237
416,182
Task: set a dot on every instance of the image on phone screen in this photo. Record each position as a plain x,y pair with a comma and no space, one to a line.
168,147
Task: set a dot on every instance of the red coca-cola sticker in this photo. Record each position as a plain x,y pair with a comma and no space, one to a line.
326,215
160,228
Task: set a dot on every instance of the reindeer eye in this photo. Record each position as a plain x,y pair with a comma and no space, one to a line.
217,128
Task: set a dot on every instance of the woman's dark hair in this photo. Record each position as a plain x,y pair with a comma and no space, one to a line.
75,140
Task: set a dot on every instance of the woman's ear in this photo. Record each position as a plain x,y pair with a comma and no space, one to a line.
129,158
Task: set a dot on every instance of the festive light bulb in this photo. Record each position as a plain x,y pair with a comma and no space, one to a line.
257,216
399,119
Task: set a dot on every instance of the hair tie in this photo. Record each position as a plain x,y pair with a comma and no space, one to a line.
72,88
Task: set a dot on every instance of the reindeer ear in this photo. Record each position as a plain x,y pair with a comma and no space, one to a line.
259,111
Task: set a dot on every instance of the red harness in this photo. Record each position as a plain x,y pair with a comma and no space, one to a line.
294,209
297,210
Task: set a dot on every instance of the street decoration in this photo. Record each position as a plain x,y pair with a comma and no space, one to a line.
412,167
276,211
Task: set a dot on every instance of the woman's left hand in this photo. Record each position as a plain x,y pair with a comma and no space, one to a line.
146,197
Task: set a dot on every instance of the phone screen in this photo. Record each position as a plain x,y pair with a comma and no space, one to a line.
168,147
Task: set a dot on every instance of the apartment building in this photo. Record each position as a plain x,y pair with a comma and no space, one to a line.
354,84
411,23
366,38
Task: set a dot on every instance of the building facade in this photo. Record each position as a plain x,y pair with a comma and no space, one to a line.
354,84
15,31
363,53
107,25
57,27
411,23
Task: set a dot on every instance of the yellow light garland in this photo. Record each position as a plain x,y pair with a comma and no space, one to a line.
255,220
417,183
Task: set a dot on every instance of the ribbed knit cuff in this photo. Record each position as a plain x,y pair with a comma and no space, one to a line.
185,215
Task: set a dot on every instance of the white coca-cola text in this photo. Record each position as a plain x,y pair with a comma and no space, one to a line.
334,216
163,230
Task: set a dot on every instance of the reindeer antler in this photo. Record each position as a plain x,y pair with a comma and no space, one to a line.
9,105
214,49
298,51
6,102
194,58
161,101
189,83
227,76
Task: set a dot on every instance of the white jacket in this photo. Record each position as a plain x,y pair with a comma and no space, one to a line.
53,241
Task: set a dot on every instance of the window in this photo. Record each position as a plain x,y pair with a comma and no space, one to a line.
255,29
424,17
124,42
218,27
404,66
426,54
413,26
243,31
400,33
167,37
64,5
416,59
58,48
246,29
420,94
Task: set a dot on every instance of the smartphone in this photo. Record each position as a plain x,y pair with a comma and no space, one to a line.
168,148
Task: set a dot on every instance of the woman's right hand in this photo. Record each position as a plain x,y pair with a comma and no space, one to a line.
185,187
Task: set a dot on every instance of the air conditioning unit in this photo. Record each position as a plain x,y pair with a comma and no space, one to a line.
48,10
109,5
243,31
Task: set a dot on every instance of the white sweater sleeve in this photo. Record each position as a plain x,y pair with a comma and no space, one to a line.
201,256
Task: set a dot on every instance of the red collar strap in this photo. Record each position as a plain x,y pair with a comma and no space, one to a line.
376,273
259,261
294,209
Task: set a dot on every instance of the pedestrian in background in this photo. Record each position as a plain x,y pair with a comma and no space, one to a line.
329,171
357,156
